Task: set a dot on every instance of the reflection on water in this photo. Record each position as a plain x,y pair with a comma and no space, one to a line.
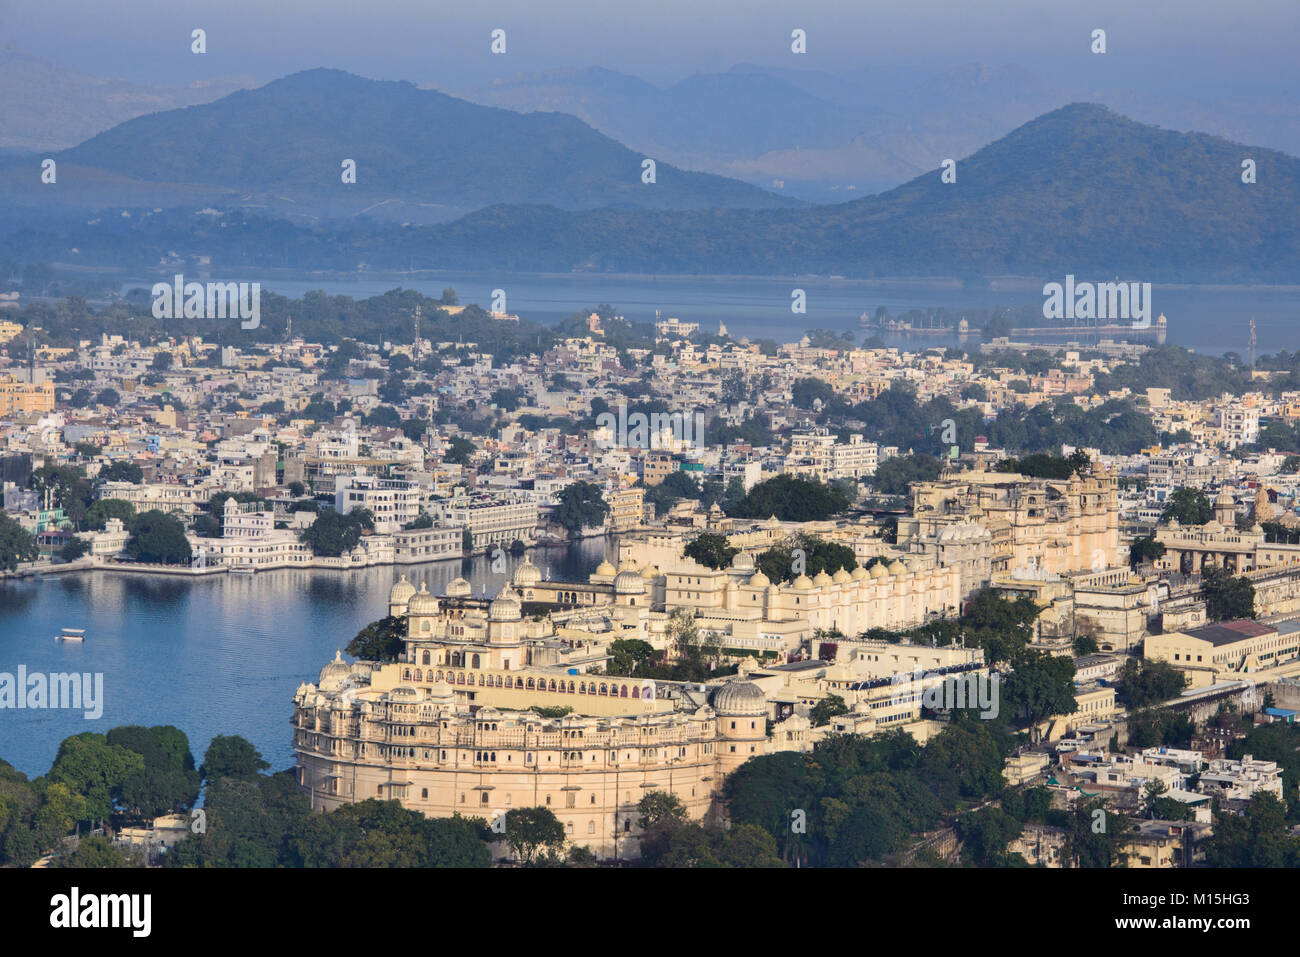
215,655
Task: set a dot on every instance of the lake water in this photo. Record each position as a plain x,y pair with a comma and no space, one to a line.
1206,319
216,655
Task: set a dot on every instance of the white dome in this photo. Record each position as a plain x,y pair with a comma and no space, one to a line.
739,697
422,603
629,582
401,591
527,574
459,588
332,675
506,606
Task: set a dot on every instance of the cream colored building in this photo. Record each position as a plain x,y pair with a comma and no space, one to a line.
1229,651
1060,526
446,730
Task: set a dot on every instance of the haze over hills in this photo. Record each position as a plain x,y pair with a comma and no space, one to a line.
421,156
44,107
1078,190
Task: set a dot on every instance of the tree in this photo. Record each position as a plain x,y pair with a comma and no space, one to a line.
896,476
827,708
449,297
1189,506
581,506
74,548
1085,645
162,361
16,544
380,640
97,853
94,770
1144,551
792,499
230,756
1148,681
1227,597
158,538
711,550
1040,686
807,555
627,655
333,534
656,807
168,781
458,451
101,510
108,397
530,829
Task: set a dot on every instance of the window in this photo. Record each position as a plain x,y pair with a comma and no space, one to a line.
424,793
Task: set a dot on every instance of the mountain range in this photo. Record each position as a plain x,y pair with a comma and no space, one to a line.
252,181
420,156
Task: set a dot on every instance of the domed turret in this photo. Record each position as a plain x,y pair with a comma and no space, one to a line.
399,595
506,606
629,582
803,583
333,674
604,570
841,576
859,573
821,579
527,574
759,580
459,588
423,603
878,570
739,697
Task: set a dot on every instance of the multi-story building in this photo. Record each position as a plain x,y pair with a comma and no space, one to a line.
447,729
18,397
492,519
394,503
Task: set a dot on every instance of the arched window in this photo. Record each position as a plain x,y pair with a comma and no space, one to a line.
552,684
480,681
419,675
425,659
510,681
604,689
426,626
623,694
530,684
439,676
582,688
406,674
460,678
636,692
475,662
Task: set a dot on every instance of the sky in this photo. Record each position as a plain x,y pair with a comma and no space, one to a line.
1174,46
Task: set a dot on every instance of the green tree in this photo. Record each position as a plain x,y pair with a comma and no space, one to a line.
532,829
711,550
1145,550
792,499
1227,597
230,756
1189,506
159,538
827,708
380,640
97,853
95,770
101,510
581,506
16,544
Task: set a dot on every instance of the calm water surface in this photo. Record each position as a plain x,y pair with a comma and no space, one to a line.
219,655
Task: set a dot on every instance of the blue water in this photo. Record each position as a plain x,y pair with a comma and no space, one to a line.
1206,319
218,655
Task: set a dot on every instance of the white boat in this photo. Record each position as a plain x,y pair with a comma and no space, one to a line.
71,634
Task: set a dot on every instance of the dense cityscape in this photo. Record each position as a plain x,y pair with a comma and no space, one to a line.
632,443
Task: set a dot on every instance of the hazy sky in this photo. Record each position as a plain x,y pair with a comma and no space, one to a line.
1164,45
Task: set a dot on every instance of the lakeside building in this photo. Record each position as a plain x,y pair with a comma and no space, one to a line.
447,729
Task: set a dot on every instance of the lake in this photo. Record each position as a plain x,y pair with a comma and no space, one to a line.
216,655
1209,319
